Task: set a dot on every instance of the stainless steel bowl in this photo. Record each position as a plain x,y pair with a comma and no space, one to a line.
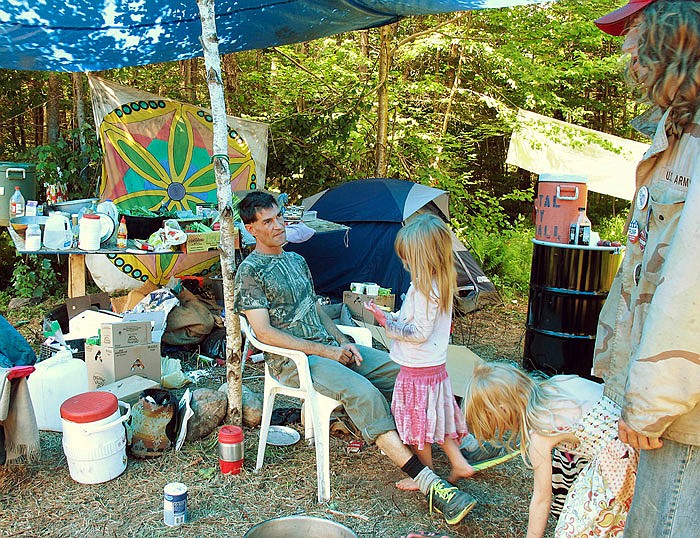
299,527
74,206
19,224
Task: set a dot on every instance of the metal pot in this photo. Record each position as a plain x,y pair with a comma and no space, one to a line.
299,527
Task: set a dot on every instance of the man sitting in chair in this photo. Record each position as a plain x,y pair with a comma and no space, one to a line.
274,289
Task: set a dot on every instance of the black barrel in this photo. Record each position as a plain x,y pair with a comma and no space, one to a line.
568,286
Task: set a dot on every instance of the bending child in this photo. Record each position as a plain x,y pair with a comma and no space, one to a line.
504,404
423,404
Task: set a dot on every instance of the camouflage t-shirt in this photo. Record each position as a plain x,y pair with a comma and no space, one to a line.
282,284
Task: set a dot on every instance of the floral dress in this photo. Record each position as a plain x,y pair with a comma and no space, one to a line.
600,497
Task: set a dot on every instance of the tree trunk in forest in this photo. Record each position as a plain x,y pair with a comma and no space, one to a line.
229,65
188,69
212,64
386,34
364,52
54,95
456,82
79,101
77,79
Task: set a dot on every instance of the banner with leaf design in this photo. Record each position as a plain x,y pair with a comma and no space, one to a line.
157,153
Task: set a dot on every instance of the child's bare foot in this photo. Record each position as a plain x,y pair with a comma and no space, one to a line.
460,472
407,484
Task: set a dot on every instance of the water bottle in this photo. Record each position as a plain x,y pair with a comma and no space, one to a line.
17,204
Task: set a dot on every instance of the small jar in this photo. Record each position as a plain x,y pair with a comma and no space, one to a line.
32,238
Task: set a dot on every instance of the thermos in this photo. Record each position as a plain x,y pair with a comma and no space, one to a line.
231,449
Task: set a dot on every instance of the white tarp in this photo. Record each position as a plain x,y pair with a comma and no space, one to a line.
544,145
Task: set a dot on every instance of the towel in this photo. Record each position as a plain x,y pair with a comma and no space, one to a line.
17,418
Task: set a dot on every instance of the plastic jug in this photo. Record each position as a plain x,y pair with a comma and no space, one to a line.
54,381
58,234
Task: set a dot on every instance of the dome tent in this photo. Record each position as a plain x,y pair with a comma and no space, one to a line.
375,210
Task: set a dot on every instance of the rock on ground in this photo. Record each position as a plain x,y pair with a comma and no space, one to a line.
209,407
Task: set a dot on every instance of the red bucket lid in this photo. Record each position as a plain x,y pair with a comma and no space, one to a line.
89,407
231,434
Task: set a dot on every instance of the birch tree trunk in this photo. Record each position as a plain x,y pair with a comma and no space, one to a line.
212,64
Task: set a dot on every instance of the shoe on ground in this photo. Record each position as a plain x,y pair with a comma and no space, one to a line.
451,502
487,455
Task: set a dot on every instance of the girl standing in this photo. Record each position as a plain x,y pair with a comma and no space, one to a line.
502,403
423,404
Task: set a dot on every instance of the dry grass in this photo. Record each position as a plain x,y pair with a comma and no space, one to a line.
42,500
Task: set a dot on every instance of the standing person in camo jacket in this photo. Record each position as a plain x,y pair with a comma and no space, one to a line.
648,341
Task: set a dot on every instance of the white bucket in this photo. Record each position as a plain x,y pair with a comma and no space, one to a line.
95,451
54,381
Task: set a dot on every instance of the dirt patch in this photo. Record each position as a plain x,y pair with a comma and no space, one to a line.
42,500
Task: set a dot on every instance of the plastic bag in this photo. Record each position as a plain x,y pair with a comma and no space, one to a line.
171,375
169,237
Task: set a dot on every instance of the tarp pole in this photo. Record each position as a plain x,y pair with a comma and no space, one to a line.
212,64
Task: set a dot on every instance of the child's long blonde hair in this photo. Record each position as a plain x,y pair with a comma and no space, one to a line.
504,404
425,248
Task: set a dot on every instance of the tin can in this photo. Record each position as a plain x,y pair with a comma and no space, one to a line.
175,504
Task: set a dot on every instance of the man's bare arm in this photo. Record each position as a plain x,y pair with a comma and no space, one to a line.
259,320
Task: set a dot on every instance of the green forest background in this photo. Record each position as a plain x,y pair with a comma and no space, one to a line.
444,89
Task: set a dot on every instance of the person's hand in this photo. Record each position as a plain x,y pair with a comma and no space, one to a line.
636,440
352,348
378,313
345,354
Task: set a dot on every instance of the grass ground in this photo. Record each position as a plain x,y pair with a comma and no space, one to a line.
40,499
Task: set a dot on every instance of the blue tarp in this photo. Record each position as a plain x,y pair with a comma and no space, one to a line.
89,35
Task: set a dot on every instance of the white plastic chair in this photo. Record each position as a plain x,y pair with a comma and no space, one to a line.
317,407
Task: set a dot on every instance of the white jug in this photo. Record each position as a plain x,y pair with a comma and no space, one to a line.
57,232
54,381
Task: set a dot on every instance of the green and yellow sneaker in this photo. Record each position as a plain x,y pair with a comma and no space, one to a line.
451,502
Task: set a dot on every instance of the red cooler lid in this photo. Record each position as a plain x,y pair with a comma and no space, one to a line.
89,407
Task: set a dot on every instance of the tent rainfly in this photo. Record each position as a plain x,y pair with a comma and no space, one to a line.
375,210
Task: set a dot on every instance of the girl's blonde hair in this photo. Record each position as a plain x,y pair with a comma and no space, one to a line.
425,248
504,404
669,60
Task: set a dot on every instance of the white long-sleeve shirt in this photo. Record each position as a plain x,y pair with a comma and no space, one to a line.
419,333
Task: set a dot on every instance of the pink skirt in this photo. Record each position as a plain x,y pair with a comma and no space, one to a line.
424,407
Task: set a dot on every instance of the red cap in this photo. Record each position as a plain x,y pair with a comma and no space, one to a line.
614,23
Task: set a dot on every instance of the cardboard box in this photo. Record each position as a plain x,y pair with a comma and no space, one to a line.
107,364
204,241
129,389
125,333
357,311
157,319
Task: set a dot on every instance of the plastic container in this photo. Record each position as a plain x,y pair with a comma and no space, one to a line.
122,234
54,381
57,232
580,231
90,232
32,238
556,205
94,439
17,204
231,449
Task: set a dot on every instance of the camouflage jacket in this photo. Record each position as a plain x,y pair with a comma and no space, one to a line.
648,340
